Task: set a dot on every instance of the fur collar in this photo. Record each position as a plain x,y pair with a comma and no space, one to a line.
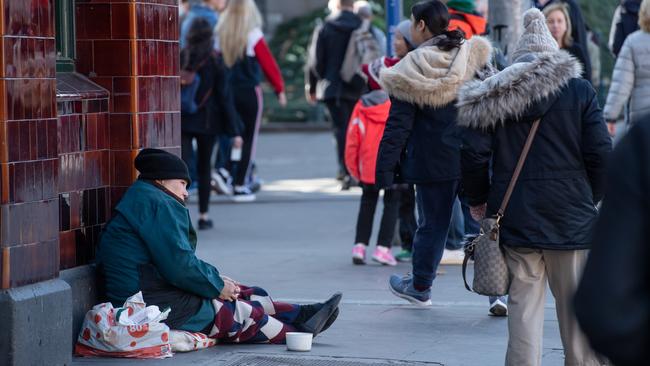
510,93
431,77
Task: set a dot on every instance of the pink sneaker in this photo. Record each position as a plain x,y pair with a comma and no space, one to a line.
359,254
384,256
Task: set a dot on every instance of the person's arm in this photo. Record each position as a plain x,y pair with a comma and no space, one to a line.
596,144
616,273
268,63
321,53
614,44
476,154
398,129
353,144
166,237
582,54
622,83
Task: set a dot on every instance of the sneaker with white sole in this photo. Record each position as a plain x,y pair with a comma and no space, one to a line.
384,256
403,287
243,194
498,306
220,182
359,253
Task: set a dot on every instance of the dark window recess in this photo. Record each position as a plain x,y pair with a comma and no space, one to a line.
65,38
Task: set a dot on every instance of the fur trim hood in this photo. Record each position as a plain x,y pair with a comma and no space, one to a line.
510,94
431,77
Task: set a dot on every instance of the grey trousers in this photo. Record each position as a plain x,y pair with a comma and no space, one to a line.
529,271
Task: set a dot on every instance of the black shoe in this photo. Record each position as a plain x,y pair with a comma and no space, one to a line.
317,317
330,320
205,224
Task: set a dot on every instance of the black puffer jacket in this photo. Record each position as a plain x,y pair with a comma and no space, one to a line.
330,52
421,142
218,114
616,274
553,204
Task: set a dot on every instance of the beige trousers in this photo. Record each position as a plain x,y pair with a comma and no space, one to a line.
529,271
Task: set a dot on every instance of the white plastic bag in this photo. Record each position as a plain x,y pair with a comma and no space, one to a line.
132,331
183,341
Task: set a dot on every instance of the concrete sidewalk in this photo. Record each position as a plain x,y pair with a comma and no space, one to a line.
295,241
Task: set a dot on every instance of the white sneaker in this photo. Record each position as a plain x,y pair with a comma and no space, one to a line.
243,194
220,183
498,308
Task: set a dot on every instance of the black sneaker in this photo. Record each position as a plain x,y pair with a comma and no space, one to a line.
205,224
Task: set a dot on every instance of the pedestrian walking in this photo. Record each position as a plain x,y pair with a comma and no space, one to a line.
149,246
340,97
362,144
631,78
559,23
546,229
204,9
578,28
207,108
624,22
616,272
246,54
420,136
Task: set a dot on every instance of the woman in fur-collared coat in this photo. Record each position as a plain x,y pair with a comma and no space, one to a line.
421,134
546,230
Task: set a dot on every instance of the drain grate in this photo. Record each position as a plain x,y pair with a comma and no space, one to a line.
271,360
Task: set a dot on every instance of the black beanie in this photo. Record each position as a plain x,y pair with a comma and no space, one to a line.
158,164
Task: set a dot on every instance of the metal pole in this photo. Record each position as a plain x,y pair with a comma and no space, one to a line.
393,17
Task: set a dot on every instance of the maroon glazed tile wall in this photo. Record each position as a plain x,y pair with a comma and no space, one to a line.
84,167
66,146
131,49
28,144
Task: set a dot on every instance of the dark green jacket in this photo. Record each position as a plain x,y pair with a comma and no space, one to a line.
149,246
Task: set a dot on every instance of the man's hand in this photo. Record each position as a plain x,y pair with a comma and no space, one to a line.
611,128
230,290
311,98
282,99
478,212
237,142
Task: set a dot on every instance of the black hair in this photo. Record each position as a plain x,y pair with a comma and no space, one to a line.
200,43
435,16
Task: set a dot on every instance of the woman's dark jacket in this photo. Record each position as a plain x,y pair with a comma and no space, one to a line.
554,202
617,272
218,114
421,143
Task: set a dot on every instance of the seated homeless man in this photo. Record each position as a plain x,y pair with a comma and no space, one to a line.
149,245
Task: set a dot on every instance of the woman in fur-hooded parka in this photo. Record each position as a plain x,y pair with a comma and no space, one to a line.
554,203
421,138
423,88
547,225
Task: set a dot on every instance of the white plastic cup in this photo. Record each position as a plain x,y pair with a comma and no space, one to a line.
298,341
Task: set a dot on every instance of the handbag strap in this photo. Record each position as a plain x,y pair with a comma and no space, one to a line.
518,169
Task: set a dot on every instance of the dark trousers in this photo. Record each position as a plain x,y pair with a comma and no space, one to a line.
367,215
340,112
435,202
248,103
407,223
205,146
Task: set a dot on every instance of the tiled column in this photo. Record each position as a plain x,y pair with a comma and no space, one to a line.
28,144
131,49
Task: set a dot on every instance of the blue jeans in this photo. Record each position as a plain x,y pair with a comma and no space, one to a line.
462,224
435,202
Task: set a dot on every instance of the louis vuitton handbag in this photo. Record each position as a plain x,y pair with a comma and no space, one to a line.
491,275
